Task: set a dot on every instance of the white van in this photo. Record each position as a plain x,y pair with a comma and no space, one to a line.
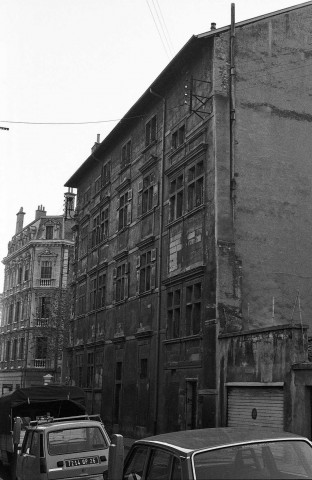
72,447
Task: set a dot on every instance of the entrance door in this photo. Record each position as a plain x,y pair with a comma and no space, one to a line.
191,404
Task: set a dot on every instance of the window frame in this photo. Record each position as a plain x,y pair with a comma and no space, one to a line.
126,153
151,131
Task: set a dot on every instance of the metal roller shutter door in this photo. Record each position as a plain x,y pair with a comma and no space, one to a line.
255,406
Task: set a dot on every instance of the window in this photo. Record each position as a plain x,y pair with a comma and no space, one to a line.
99,227
22,348
44,307
20,275
26,273
126,154
46,269
17,311
176,193
184,313
41,347
124,210
8,351
150,131
160,465
49,232
92,293
147,267
121,282
11,310
97,185
90,369
95,231
178,137
79,369
195,185
102,290
86,197
83,248
82,299
148,194
135,465
104,224
98,377
118,383
106,170
173,313
193,309
14,349
143,368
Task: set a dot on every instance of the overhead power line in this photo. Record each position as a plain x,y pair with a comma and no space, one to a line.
160,30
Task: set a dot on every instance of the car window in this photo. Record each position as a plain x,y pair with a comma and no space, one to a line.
278,460
135,465
34,447
160,466
27,442
75,440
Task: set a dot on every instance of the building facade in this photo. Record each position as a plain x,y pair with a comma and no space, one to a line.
36,305
192,273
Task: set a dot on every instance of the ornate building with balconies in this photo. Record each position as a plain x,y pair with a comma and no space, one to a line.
35,302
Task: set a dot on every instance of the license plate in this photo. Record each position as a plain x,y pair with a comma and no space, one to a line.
77,462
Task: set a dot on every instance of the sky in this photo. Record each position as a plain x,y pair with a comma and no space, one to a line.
69,70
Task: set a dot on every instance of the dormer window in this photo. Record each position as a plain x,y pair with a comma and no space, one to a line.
49,232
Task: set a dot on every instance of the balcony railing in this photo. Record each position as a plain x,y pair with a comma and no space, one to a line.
42,362
46,282
42,322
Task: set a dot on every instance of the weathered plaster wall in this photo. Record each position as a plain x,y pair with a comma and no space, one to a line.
273,214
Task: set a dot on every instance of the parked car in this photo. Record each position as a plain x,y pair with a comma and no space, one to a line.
62,448
214,453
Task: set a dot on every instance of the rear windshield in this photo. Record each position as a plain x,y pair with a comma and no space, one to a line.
277,459
76,440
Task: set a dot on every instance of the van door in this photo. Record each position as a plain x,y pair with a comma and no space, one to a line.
28,463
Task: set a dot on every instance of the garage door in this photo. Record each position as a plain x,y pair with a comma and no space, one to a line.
255,406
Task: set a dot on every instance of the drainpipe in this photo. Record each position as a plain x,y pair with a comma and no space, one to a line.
232,111
159,263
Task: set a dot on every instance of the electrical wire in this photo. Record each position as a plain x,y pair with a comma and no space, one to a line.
163,26
159,33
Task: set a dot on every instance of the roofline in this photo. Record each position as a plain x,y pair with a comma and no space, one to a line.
72,181
254,19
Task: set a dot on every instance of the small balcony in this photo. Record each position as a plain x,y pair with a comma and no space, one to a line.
42,363
42,322
45,282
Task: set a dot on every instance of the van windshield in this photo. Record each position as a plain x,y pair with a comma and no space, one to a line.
76,440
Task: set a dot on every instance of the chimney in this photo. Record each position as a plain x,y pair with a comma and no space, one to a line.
213,26
69,210
40,212
97,143
19,221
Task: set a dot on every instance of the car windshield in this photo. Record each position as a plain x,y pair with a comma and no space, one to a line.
74,440
278,459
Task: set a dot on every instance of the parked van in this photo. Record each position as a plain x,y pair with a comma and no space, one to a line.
61,448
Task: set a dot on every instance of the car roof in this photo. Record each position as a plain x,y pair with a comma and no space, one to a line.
189,441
